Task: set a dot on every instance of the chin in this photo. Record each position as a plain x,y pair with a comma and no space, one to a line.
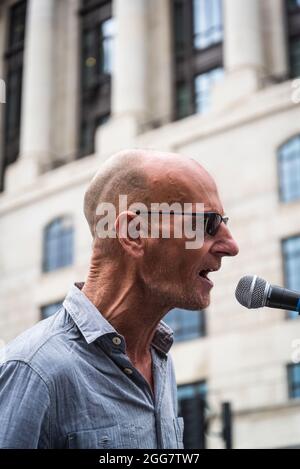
204,302
196,303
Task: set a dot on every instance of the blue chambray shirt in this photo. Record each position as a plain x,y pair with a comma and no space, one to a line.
68,383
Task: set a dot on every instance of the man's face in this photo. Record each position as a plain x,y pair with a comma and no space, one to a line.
177,275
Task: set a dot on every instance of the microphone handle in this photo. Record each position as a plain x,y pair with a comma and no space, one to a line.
283,298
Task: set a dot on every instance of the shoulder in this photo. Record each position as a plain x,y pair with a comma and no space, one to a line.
25,403
43,347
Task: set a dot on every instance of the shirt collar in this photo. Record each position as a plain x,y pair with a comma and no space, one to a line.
93,325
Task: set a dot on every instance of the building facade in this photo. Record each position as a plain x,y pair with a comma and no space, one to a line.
216,80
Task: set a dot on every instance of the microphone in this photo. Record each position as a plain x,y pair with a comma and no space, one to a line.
254,292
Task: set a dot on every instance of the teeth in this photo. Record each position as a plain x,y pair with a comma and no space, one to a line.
207,271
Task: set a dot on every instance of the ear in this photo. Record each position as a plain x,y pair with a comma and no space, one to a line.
129,233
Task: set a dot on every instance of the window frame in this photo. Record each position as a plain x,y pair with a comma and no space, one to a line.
181,336
47,266
58,304
291,386
14,61
201,403
292,33
288,314
94,100
282,197
191,62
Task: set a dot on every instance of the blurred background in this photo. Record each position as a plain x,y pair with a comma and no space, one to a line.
211,79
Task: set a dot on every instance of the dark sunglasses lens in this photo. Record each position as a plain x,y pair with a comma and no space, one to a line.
212,223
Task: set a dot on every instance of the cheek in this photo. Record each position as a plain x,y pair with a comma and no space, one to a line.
157,257
166,258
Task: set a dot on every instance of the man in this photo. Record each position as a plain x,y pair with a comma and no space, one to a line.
97,374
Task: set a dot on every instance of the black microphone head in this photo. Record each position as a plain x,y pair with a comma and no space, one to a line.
251,291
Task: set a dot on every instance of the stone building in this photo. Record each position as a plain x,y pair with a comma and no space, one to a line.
211,79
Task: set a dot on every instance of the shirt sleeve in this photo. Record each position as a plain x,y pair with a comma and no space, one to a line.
24,407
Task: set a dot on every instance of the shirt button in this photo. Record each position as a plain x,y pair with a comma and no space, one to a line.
128,371
116,340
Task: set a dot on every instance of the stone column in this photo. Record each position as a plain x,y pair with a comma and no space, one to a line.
130,62
243,45
129,81
244,55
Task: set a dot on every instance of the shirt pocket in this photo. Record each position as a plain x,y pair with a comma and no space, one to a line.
179,427
103,438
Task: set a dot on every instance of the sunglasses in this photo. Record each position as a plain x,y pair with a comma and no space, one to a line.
212,220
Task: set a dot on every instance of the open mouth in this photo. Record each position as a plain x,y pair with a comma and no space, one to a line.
204,276
204,273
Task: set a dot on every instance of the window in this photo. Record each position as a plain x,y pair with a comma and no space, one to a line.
293,15
97,32
289,170
186,324
49,310
291,258
13,72
191,406
207,23
58,244
293,371
198,61
203,84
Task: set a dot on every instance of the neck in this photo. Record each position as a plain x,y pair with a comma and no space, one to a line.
124,302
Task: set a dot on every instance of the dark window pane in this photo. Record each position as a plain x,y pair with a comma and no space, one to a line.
289,170
184,100
49,310
293,28
58,244
87,138
295,57
291,259
198,53
17,24
97,68
186,324
191,406
88,131
293,4
13,72
180,27
89,58
13,106
294,380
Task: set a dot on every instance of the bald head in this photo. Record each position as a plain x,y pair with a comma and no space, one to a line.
147,176
123,173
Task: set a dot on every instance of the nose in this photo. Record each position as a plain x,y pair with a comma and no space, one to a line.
225,244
